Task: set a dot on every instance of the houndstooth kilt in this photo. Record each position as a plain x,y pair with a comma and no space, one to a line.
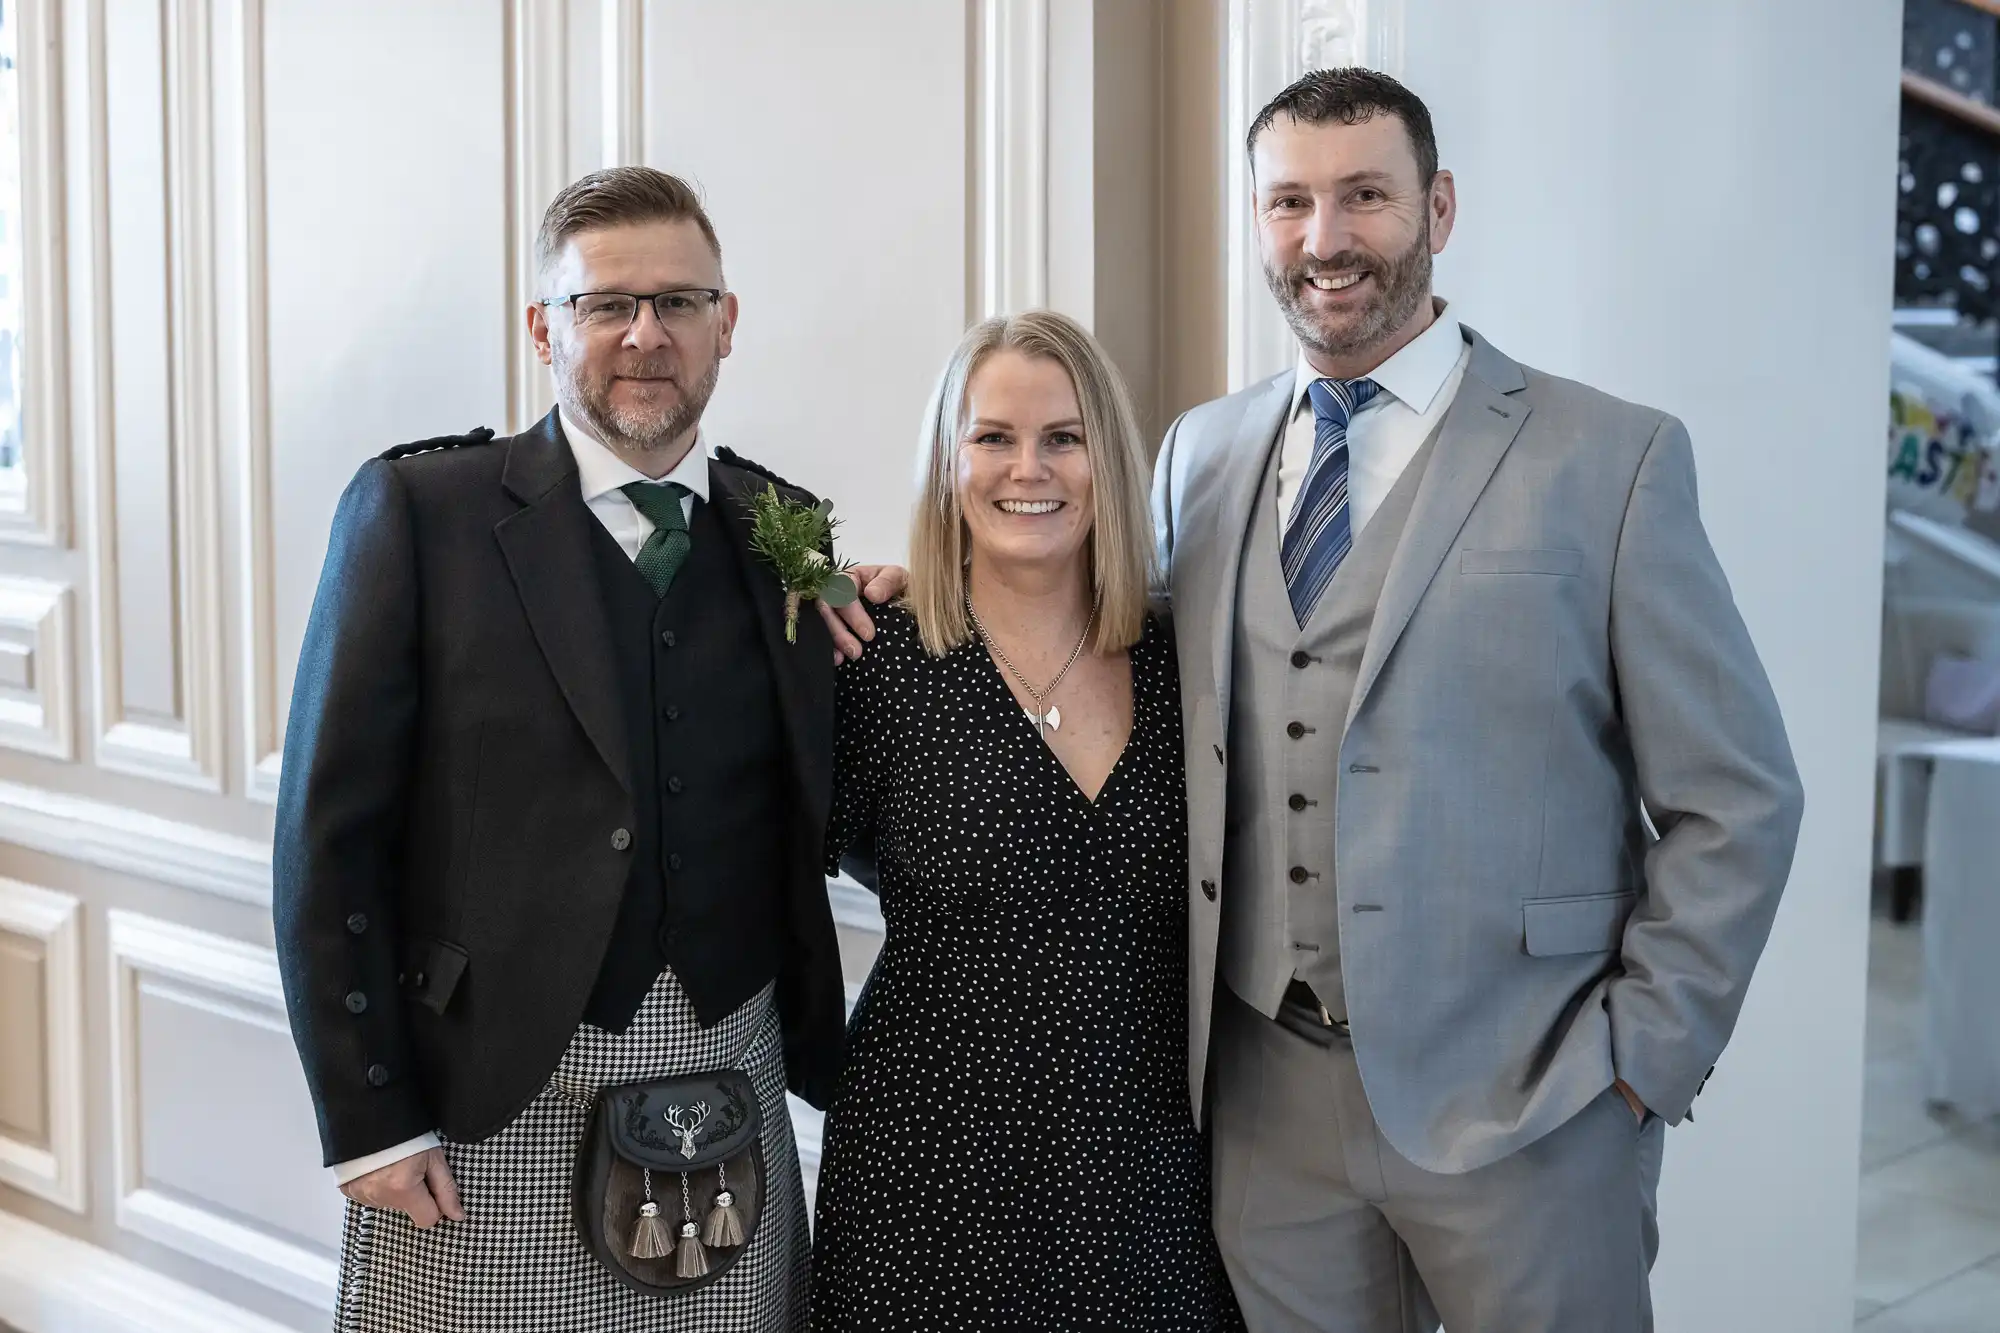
515,1265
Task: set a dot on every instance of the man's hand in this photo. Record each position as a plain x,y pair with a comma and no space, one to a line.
1631,1099
419,1186
851,625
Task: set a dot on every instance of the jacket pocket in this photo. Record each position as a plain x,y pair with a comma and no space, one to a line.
1564,564
431,972
1556,926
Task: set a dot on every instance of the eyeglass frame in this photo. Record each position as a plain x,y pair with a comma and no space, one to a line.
714,295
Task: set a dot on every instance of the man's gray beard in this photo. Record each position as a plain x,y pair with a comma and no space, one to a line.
644,433
1405,285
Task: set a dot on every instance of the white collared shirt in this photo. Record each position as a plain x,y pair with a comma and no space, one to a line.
602,476
1418,385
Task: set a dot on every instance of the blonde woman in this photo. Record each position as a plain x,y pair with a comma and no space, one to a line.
1011,1146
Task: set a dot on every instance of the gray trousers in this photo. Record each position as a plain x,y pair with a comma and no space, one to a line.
1325,1228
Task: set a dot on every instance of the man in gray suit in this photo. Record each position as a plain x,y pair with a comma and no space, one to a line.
1490,801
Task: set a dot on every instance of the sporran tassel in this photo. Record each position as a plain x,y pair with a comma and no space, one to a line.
725,1222
693,1259
651,1237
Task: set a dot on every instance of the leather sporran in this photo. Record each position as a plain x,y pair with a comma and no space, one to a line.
670,1180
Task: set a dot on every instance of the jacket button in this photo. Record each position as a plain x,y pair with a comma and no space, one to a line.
1298,874
357,923
419,980
674,786
377,1075
356,1002
621,839
1301,660
1297,802
1208,889
672,712
1295,730
667,637
674,862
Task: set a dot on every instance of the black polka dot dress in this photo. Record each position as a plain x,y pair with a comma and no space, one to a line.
1011,1145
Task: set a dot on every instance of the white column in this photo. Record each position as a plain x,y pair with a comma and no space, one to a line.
1687,203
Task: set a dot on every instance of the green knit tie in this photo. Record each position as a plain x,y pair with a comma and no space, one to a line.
667,549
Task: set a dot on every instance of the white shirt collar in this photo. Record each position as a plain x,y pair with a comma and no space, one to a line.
600,472
1415,374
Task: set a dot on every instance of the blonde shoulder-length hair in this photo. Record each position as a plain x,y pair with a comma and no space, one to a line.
1120,545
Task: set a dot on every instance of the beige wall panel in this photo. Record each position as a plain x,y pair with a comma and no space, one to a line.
140,582
24,1071
41,1044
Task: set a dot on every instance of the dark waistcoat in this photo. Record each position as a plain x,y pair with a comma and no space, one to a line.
706,893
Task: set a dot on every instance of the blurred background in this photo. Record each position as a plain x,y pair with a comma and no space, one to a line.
246,244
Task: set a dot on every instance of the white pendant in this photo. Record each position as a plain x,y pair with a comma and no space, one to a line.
1051,719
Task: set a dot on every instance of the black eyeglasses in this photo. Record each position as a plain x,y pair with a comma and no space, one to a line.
607,312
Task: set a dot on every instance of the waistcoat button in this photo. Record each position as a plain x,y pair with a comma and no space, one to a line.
1208,889
357,923
356,1002
377,1075
620,840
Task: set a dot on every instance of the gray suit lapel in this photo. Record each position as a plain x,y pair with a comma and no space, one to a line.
1242,469
1476,433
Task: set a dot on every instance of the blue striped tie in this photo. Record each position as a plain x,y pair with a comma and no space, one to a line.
1320,533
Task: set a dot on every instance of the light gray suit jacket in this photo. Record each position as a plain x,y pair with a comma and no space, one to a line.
1555,647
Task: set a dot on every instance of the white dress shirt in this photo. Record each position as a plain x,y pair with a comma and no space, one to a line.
1418,385
602,476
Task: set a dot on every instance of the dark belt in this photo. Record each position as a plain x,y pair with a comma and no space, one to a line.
1302,1013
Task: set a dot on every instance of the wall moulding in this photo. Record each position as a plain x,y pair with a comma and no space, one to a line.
53,1166
34,498
1010,155
235,980
186,749
36,711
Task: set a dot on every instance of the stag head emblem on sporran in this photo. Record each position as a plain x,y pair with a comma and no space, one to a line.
686,1123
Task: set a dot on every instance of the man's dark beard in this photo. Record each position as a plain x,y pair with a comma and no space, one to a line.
1402,285
593,401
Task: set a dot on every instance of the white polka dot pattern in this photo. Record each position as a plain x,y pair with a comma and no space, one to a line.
1011,1145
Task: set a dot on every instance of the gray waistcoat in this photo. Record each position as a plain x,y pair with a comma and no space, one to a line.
1280,915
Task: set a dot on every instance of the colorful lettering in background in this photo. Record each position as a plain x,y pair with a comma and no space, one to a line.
1937,453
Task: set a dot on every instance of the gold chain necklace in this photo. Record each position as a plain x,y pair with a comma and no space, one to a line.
1045,718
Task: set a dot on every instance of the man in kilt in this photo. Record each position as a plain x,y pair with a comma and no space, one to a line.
554,791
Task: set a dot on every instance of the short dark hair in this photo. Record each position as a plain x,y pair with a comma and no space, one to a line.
1351,96
618,197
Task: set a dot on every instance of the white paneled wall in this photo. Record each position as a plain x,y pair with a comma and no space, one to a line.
267,239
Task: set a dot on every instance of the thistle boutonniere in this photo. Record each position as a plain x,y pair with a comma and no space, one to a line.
793,539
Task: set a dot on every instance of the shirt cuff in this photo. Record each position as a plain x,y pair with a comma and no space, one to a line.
344,1172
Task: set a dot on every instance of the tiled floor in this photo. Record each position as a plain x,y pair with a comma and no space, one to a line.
1930,1184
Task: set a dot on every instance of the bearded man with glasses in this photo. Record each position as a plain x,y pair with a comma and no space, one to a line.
554,792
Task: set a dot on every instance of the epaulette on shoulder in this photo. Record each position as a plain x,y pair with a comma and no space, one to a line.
724,454
483,435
